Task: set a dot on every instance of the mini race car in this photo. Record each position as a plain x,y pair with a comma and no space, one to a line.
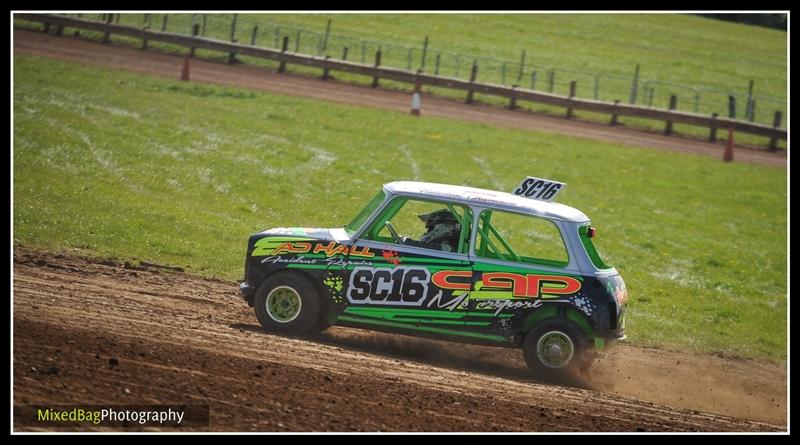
450,262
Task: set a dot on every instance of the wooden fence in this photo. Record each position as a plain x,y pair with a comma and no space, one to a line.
376,72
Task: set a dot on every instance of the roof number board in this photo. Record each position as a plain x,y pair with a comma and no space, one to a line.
538,188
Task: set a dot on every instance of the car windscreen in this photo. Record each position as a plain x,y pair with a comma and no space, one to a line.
362,216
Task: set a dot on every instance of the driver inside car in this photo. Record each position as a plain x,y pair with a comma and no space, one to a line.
442,231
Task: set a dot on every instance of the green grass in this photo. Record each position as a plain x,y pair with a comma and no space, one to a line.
670,49
135,167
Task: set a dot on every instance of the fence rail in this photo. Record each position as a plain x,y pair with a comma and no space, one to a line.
514,94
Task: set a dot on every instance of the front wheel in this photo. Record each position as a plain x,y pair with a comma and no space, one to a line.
555,348
286,303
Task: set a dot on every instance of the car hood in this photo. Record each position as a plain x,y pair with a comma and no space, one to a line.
335,234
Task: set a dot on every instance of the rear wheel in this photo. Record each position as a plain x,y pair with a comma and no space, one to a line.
289,304
556,348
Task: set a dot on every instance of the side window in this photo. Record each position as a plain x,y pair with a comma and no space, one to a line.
521,238
427,224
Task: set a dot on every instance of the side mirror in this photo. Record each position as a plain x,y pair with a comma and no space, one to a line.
591,232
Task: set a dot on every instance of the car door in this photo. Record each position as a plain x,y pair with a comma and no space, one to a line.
521,265
420,276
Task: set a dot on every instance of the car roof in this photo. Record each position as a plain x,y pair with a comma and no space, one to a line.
486,198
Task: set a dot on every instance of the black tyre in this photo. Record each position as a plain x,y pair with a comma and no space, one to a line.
556,348
287,303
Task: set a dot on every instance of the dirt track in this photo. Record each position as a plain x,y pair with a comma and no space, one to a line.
176,338
167,65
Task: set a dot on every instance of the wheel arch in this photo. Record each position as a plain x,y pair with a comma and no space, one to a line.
558,311
310,278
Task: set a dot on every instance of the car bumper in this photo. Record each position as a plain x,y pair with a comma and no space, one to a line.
602,343
618,335
246,290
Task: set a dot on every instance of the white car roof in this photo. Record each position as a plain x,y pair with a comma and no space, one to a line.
486,198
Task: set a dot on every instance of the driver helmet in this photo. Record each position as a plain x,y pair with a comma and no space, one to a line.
442,227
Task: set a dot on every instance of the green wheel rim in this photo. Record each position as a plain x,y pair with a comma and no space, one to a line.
555,349
283,304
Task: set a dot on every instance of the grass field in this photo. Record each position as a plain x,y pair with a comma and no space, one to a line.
122,165
670,49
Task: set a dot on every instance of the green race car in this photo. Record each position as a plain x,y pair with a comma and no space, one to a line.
451,262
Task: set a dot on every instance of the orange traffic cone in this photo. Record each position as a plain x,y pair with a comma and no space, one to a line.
185,73
728,157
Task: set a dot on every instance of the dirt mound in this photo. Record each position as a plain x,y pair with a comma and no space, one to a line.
93,331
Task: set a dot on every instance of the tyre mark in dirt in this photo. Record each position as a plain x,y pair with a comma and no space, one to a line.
440,383
166,65
197,330
181,345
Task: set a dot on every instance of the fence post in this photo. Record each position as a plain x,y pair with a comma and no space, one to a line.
472,76
233,27
551,80
147,23
512,104
521,66
203,29
363,52
712,134
635,85
116,18
297,42
410,57
326,71
284,47
596,86
377,64
614,114
107,35
195,31
254,36
673,102
652,94
503,74
46,28
438,59
424,52
325,39
776,123
572,86
232,55
59,30
748,111
533,80
732,106
164,23
696,101
344,53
